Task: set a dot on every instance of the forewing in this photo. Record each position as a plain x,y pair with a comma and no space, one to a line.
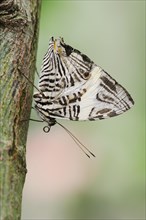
51,82
62,67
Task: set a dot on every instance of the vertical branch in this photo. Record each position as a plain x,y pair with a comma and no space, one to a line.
18,45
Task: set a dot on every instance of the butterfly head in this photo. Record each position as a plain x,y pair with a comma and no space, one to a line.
61,48
66,50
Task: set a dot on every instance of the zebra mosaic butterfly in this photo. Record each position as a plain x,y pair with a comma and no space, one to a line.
71,86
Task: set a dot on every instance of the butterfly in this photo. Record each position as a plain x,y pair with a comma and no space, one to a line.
71,86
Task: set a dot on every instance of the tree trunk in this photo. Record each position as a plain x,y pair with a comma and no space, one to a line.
18,46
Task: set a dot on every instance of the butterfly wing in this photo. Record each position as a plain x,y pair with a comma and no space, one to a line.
75,88
59,70
99,98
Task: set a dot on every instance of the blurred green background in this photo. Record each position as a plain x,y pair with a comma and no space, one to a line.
61,182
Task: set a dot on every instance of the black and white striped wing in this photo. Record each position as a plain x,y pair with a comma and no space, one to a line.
59,70
100,97
75,88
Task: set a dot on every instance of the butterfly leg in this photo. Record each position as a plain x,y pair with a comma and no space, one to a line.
31,119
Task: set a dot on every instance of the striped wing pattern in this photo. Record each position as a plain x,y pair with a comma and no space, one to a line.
73,87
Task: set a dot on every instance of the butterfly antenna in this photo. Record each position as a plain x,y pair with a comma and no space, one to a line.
80,145
37,72
31,83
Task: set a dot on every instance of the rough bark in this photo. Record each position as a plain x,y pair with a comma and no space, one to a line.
18,45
